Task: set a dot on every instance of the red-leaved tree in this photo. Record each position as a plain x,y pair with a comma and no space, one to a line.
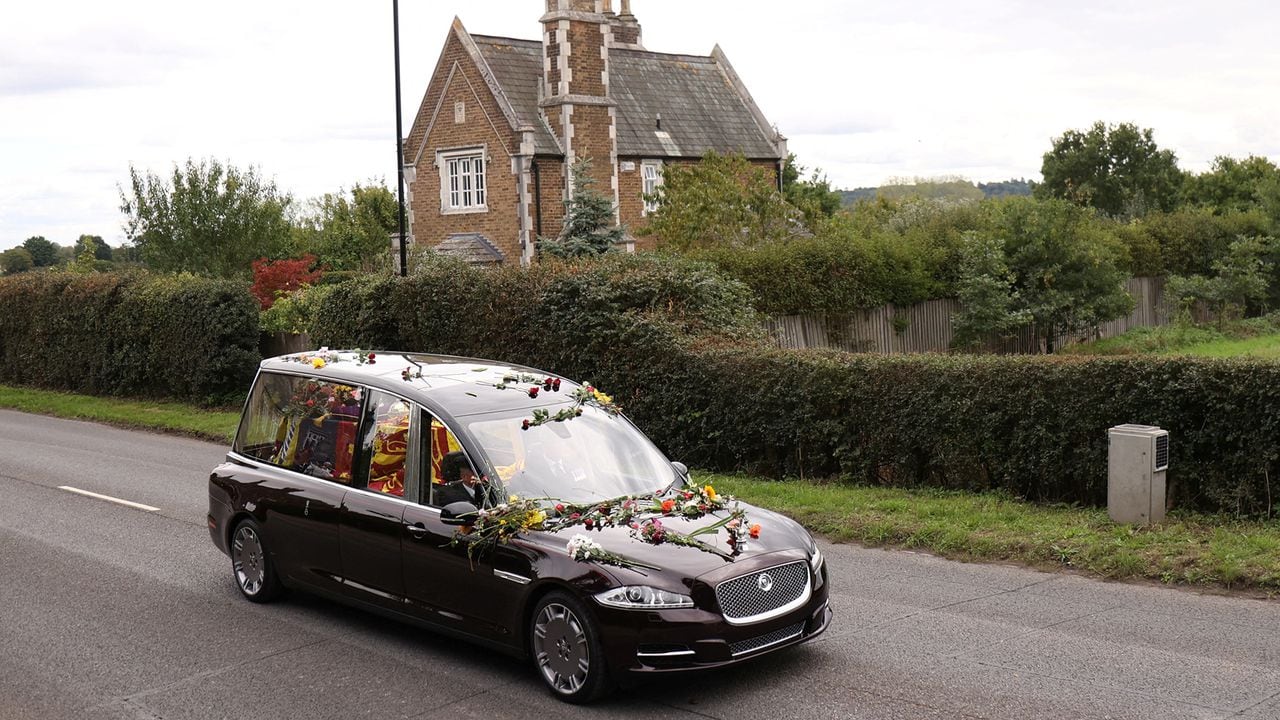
271,279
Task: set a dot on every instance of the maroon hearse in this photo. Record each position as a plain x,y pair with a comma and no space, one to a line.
375,480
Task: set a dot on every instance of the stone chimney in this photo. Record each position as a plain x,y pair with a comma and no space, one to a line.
626,29
576,36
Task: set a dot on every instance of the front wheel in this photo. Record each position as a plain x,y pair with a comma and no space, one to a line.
565,643
254,573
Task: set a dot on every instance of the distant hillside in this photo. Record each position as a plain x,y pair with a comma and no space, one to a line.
942,188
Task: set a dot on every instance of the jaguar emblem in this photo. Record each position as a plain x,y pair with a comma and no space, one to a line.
765,582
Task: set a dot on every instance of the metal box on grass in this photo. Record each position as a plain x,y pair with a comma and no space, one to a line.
1137,461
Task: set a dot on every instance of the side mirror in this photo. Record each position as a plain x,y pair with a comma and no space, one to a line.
458,514
681,469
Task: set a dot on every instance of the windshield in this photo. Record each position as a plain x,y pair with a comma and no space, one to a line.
592,457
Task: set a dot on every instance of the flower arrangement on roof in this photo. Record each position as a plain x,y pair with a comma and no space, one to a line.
324,356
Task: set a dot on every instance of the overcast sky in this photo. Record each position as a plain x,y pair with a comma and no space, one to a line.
866,90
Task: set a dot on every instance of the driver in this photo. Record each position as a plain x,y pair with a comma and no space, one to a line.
461,483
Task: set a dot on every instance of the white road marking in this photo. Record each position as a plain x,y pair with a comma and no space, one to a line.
108,498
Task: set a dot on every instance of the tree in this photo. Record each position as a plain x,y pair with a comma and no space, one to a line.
43,252
349,231
272,279
989,300
814,197
16,260
206,219
1118,170
588,227
95,245
722,201
1058,267
1232,185
1244,278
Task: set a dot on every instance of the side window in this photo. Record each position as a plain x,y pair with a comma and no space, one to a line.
301,424
386,443
453,476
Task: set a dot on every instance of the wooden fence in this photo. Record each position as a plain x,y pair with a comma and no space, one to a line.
926,327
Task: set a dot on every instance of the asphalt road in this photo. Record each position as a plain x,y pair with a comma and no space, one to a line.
117,613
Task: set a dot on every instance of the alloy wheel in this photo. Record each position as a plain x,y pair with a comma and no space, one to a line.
561,648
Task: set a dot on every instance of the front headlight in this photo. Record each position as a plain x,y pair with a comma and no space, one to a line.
642,597
815,561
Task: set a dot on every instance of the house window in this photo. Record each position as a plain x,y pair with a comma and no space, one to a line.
652,178
462,181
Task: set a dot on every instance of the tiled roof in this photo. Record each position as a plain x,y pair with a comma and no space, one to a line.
473,248
517,66
701,110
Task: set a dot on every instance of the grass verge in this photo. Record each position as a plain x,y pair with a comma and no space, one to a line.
176,418
1256,337
1187,549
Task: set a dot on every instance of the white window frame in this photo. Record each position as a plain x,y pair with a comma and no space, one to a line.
464,183
650,185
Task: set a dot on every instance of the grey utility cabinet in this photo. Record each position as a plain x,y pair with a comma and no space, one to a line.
1136,465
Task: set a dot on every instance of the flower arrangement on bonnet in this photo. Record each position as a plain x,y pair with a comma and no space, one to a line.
643,515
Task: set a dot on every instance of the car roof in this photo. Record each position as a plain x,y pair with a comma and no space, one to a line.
459,386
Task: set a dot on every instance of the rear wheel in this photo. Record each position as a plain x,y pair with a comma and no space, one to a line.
565,643
254,573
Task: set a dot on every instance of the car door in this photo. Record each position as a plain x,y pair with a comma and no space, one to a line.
477,594
293,448
370,524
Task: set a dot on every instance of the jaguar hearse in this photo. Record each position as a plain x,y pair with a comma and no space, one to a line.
508,507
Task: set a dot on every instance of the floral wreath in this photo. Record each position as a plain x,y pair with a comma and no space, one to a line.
643,514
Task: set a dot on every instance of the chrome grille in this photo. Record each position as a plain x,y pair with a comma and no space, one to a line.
762,595
743,647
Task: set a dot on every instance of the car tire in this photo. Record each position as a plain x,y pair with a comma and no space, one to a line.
564,641
251,565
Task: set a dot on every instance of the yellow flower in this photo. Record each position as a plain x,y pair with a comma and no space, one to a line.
317,363
604,399
537,519
514,499
710,491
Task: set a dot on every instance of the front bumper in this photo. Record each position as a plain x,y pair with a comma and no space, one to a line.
643,643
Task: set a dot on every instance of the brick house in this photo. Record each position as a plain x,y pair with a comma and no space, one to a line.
488,156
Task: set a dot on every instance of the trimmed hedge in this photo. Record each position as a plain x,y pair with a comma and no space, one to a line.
676,344
170,336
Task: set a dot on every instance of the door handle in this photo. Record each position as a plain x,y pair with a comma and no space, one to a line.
418,531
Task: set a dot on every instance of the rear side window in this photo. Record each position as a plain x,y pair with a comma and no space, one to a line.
303,424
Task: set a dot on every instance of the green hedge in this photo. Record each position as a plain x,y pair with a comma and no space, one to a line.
676,344
173,336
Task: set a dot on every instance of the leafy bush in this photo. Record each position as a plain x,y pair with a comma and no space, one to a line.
176,336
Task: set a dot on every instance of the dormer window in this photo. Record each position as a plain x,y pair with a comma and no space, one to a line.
463,188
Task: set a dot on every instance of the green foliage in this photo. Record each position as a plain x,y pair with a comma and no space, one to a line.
813,197
1066,269
349,233
1232,185
942,188
295,312
723,200
589,228
1117,169
43,252
1243,278
1187,241
987,292
16,260
93,245
129,334
206,218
